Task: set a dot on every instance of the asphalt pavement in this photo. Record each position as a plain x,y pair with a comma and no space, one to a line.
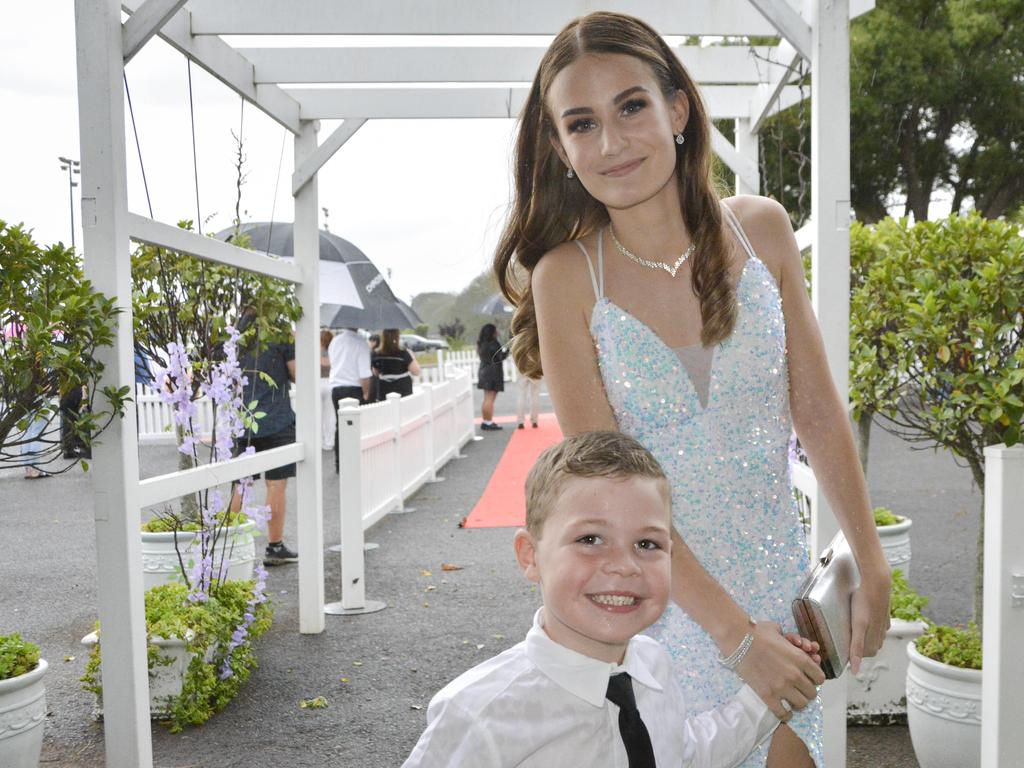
379,671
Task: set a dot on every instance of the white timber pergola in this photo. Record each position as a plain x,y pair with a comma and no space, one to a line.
426,71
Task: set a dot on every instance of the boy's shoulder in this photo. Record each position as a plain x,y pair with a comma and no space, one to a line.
478,688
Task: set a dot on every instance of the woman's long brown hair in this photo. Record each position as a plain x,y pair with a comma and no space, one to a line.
550,209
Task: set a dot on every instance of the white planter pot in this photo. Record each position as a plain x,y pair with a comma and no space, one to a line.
943,712
165,681
878,695
896,544
160,559
22,714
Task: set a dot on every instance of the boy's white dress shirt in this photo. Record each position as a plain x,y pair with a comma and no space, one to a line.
542,705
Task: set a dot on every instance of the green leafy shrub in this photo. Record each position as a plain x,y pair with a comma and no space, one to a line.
170,523
905,604
956,646
53,326
207,629
885,516
16,656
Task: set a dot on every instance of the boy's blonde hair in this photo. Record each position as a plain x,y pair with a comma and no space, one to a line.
590,454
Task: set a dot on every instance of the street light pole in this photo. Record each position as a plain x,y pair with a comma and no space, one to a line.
72,167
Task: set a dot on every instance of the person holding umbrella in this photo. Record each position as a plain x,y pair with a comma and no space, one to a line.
350,373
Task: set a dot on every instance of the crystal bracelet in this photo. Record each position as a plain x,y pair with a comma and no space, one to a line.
733,660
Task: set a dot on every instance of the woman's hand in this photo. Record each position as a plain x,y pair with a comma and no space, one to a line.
778,671
870,614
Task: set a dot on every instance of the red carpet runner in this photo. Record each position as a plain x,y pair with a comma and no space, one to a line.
503,503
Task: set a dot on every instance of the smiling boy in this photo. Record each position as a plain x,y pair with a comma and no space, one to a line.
585,688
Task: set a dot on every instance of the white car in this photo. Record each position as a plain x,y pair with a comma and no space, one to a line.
421,344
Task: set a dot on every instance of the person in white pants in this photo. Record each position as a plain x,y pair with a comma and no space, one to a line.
531,387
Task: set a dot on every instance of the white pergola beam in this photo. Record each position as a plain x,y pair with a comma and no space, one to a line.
462,17
224,63
764,103
723,102
146,230
745,170
449,64
145,23
157,490
789,23
315,161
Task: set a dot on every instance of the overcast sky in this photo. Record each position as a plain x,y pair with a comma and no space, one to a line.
423,198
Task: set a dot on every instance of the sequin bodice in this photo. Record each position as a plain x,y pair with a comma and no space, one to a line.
728,461
728,465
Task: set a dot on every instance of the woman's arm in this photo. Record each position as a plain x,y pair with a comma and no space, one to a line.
822,423
563,299
414,366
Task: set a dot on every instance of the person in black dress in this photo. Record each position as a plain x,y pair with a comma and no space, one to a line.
393,365
491,378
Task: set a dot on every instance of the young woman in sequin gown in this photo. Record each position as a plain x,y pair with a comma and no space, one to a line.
710,369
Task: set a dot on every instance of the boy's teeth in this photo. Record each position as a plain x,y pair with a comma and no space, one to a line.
614,599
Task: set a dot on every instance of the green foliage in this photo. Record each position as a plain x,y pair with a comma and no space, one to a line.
207,628
169,522
179,297
956,646
936,102
904,603
17,656
315,703
61,325
885,516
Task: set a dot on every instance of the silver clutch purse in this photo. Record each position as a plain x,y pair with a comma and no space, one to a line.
822,606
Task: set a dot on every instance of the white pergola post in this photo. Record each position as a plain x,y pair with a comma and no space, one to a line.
1002,676
115,467
830,272
747,146
309,472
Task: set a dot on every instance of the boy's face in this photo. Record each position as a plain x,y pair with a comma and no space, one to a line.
603,563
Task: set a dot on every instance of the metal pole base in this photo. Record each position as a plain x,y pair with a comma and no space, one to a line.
437,479
403,511
366,547
336,609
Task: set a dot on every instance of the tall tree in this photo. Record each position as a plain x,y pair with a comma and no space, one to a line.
937,103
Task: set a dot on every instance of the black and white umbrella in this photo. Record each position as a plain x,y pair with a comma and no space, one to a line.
353,292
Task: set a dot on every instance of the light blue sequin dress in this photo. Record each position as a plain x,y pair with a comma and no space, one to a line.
728,463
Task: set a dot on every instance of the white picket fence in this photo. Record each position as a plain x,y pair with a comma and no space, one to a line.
387,452
468,360
156,420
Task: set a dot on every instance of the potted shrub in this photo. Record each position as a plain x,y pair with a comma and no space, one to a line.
894,532
200,630
877,695
22,702
168,544
944,697
199,651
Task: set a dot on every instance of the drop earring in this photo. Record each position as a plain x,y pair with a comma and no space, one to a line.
569,174
680,138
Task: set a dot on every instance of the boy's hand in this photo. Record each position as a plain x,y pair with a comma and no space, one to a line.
810,647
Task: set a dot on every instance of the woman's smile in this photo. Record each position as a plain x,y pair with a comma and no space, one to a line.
623,169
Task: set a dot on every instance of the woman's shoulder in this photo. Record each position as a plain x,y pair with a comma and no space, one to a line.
767,225
564,269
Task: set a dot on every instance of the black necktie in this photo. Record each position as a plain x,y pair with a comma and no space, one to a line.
631,727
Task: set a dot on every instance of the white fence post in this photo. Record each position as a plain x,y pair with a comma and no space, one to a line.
393,399
1002,675
350,479
429,449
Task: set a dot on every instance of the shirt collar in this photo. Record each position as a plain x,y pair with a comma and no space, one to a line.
581,675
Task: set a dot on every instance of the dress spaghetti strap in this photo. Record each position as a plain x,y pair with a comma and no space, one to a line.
740,234
596,279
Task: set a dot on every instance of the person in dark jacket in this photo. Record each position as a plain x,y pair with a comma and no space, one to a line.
393,366
491,378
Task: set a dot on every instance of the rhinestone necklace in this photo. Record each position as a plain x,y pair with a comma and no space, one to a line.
653,264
